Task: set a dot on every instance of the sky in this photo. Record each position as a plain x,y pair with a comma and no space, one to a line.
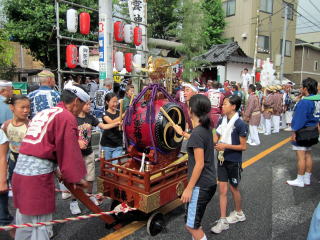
310,9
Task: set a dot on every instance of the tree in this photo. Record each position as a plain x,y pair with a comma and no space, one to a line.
193,37
6,57
164,17
32,23
215,19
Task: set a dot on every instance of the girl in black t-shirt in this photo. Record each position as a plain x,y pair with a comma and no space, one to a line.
111,140
201,168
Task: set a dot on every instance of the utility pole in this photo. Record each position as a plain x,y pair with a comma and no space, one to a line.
105,42
270,37
284,40
256,46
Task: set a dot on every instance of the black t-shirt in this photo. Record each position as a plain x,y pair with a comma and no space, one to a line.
240,130
202,138
85,131
111,137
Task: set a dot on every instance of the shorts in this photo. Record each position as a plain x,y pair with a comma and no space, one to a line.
301,148
90,166
230,172
196,207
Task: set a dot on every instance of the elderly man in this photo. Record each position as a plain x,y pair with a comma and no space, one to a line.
5,92
51,140
44,97
189,90
216,99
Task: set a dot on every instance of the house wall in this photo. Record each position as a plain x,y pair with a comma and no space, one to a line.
304,64
233,71
244,22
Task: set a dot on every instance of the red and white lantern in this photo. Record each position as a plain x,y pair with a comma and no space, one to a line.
137,60
137,36
119,31
119,61
72,56
84,56
128,61
72,20
128,33
84,23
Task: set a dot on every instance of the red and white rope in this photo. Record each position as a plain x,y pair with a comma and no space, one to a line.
124,208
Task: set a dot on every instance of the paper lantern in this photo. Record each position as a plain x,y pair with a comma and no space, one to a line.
128,33
128,61
72,20
137,36
119,31
84,23
72,56
84,56
119,61
137,60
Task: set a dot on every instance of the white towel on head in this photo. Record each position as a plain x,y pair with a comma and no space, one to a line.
225,128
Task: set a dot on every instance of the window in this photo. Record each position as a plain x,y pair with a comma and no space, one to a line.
289,10
287,51
315,66
266,6
263,44
229,7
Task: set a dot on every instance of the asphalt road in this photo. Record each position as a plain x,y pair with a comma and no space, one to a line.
274,210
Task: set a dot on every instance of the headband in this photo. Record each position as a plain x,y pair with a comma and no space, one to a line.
79,92
5,84
193,88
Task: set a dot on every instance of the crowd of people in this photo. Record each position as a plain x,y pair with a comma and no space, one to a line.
39,133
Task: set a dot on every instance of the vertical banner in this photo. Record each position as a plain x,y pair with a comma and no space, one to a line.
137,12
105,42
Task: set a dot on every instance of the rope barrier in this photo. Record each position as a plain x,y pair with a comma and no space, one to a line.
122,208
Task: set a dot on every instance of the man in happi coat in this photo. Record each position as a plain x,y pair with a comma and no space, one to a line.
277,109
252,115
267,105
216,99
51,141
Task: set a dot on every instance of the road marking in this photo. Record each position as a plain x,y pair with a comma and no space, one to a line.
265,153
134,226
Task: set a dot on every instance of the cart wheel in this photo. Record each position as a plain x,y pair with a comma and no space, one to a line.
155,223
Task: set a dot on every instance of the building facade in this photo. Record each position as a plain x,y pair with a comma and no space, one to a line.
241,18
307,60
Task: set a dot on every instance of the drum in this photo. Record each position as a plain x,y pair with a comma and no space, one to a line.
143,135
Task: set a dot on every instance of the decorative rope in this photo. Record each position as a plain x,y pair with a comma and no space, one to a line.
124,208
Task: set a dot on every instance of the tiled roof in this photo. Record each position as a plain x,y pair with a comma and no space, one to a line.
228,52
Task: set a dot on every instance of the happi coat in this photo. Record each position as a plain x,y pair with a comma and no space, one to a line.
52,136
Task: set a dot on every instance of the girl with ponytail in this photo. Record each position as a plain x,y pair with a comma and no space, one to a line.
201,168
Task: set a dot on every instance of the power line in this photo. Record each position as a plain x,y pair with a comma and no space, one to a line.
314,6
305,18
308,13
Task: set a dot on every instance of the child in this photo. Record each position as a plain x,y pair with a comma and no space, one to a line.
230,142
85,123
127,97
16,128
111,140
201,168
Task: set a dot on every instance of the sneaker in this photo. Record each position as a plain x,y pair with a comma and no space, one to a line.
74,207
235,217
65,195
254,144
296,183
288,129
221,226
266,134
94,200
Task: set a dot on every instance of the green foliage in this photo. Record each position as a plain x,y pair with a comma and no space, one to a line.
164,17
215,20
202,26
6,57
32,23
